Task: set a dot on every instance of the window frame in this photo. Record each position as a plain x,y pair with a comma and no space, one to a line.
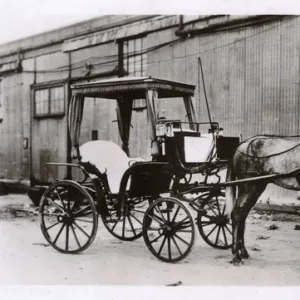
48,87
127,55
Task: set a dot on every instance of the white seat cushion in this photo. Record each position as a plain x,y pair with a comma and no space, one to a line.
106,155
197,149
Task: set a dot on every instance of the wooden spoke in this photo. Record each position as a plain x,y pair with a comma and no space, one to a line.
67,237
79,212
155,218
86,234
225,237
157,238
123,228
161,214
52,225
62,202
162,245
55,204
174,241
181,239
228,229
218,234
133,229
85,221
212,231
175,215
76,238
169,248
59,233
140,222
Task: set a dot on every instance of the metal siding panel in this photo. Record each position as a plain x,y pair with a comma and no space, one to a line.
95,117
191,60
271,82
253,81
57,63
160,56
220,74
113,131
103,58
289,78
207,58
133,138
153,69
235,104
131,49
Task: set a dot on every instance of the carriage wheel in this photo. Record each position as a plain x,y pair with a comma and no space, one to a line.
126,226
168,230
69,220
214,226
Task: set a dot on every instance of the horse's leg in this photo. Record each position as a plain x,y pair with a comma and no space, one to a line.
248,196
243,250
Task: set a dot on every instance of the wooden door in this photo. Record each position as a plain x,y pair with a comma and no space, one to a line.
49,135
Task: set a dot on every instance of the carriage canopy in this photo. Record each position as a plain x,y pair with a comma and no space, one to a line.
125,91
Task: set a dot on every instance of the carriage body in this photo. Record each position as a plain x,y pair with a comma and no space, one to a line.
142,189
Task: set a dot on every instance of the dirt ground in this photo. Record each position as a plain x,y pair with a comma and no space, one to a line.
26,258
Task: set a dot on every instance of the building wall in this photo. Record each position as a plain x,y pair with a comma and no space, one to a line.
15,126
251,76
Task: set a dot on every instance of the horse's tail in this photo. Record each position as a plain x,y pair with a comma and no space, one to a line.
230,191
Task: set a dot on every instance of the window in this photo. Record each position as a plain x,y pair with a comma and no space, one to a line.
135,58
135,63
1,101
49,101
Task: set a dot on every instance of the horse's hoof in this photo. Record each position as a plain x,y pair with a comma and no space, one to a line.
236,262
245,254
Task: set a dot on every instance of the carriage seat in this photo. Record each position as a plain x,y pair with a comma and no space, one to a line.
106,155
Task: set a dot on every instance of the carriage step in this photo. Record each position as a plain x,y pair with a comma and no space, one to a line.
113,220
166,210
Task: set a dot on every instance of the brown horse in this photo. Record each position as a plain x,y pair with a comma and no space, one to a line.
258,156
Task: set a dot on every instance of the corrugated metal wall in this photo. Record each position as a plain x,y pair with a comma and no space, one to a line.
251,76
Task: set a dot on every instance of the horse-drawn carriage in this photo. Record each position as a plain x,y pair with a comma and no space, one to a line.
141,198
151,198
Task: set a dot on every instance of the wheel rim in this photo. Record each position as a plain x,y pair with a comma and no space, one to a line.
170,235
68,217
214,226
126,226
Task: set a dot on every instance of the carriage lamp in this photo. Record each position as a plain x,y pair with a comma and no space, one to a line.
160,130
169,130
25,143
221,131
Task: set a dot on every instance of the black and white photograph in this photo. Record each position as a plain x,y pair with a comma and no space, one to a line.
155,150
